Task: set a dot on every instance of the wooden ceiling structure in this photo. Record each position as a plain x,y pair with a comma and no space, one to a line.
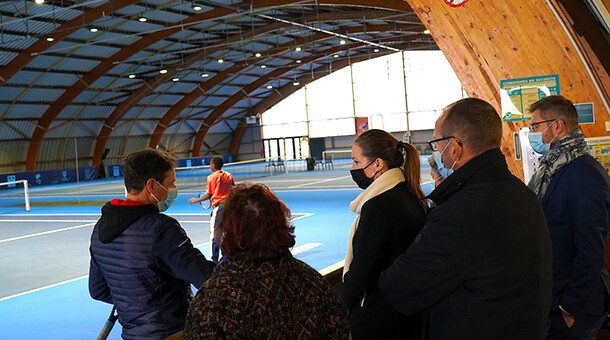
124,74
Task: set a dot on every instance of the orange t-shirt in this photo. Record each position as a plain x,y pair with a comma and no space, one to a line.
219,184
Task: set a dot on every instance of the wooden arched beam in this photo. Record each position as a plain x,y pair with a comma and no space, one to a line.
287,90
83,83
229,102
67,28
236,68
136,96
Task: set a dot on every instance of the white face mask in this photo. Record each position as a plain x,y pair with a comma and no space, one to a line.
442,170
172,193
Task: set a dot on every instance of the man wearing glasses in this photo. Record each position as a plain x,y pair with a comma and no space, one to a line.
574,190
481,265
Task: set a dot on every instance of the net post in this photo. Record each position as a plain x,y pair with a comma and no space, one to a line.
26,195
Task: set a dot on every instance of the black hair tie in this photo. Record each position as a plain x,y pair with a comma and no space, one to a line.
400,145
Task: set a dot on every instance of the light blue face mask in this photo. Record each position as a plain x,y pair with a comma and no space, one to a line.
172,193
536,142
442,170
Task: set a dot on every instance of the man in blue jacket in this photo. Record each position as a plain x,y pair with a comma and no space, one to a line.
574,190
481,266
142,261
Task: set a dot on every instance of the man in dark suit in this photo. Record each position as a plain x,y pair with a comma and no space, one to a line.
574,190
481,265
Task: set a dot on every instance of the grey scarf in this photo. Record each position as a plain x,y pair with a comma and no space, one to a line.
564,151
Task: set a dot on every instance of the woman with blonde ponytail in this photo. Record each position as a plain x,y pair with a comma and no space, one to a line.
391,213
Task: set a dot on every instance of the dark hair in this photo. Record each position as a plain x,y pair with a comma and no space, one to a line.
381,144
218,162
559,107
142,165
255,224
434,166
475,123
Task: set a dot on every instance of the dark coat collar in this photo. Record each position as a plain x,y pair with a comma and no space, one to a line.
491,163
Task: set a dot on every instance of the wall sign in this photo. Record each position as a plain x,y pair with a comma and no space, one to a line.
585,113
516,95
455,3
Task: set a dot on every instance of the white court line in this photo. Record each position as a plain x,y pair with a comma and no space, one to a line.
41,288
318,182
300,217
45,232
66,281
47,221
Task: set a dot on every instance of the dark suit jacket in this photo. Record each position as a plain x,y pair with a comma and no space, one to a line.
577,209
388,224
482,262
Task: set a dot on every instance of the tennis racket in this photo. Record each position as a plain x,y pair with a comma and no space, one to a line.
205,204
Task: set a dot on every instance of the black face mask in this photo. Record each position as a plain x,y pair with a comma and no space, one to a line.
360,178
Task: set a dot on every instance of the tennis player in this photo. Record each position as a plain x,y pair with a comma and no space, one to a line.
218,186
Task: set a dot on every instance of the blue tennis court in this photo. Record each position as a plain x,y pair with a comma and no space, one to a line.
45,256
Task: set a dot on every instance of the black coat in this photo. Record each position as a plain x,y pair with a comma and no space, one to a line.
388,224
482,263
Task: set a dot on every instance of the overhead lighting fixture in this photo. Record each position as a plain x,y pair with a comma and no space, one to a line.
427,32
298,49
295,83
163,71
269,87
93,29
376,50
258,55
131,76
263,66
40,2
336,56
204,74
220,61
142,19
298,61
342,42
175,79
50,39
197,7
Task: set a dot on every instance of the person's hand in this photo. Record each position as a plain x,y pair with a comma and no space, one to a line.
192,200
569,319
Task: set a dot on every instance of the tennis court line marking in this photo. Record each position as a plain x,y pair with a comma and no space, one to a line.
64,282
44,287
45,233
318,182
300,217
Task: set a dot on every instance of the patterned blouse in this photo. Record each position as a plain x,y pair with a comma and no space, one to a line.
279,299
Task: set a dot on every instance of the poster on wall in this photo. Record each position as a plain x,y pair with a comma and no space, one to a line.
362,124
516,95
599,147
586,114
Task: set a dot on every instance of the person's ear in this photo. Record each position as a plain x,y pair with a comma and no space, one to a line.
150,184
560,126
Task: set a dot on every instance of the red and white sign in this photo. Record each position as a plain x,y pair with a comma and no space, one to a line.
455,3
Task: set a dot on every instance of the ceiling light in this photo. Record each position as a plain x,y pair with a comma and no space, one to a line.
376,50
204,75
336,56
298,49
427,32
220,61
197,7
50,38
142,19
175,79
93,29
295,83
163,71
258,55
342,42
298,61
269,87
263,66
131,76
39,1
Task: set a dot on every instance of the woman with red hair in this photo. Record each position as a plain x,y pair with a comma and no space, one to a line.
261,291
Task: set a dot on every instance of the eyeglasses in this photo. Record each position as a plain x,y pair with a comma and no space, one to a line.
532,126
434,143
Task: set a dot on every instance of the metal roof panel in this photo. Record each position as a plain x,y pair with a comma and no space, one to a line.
25,111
